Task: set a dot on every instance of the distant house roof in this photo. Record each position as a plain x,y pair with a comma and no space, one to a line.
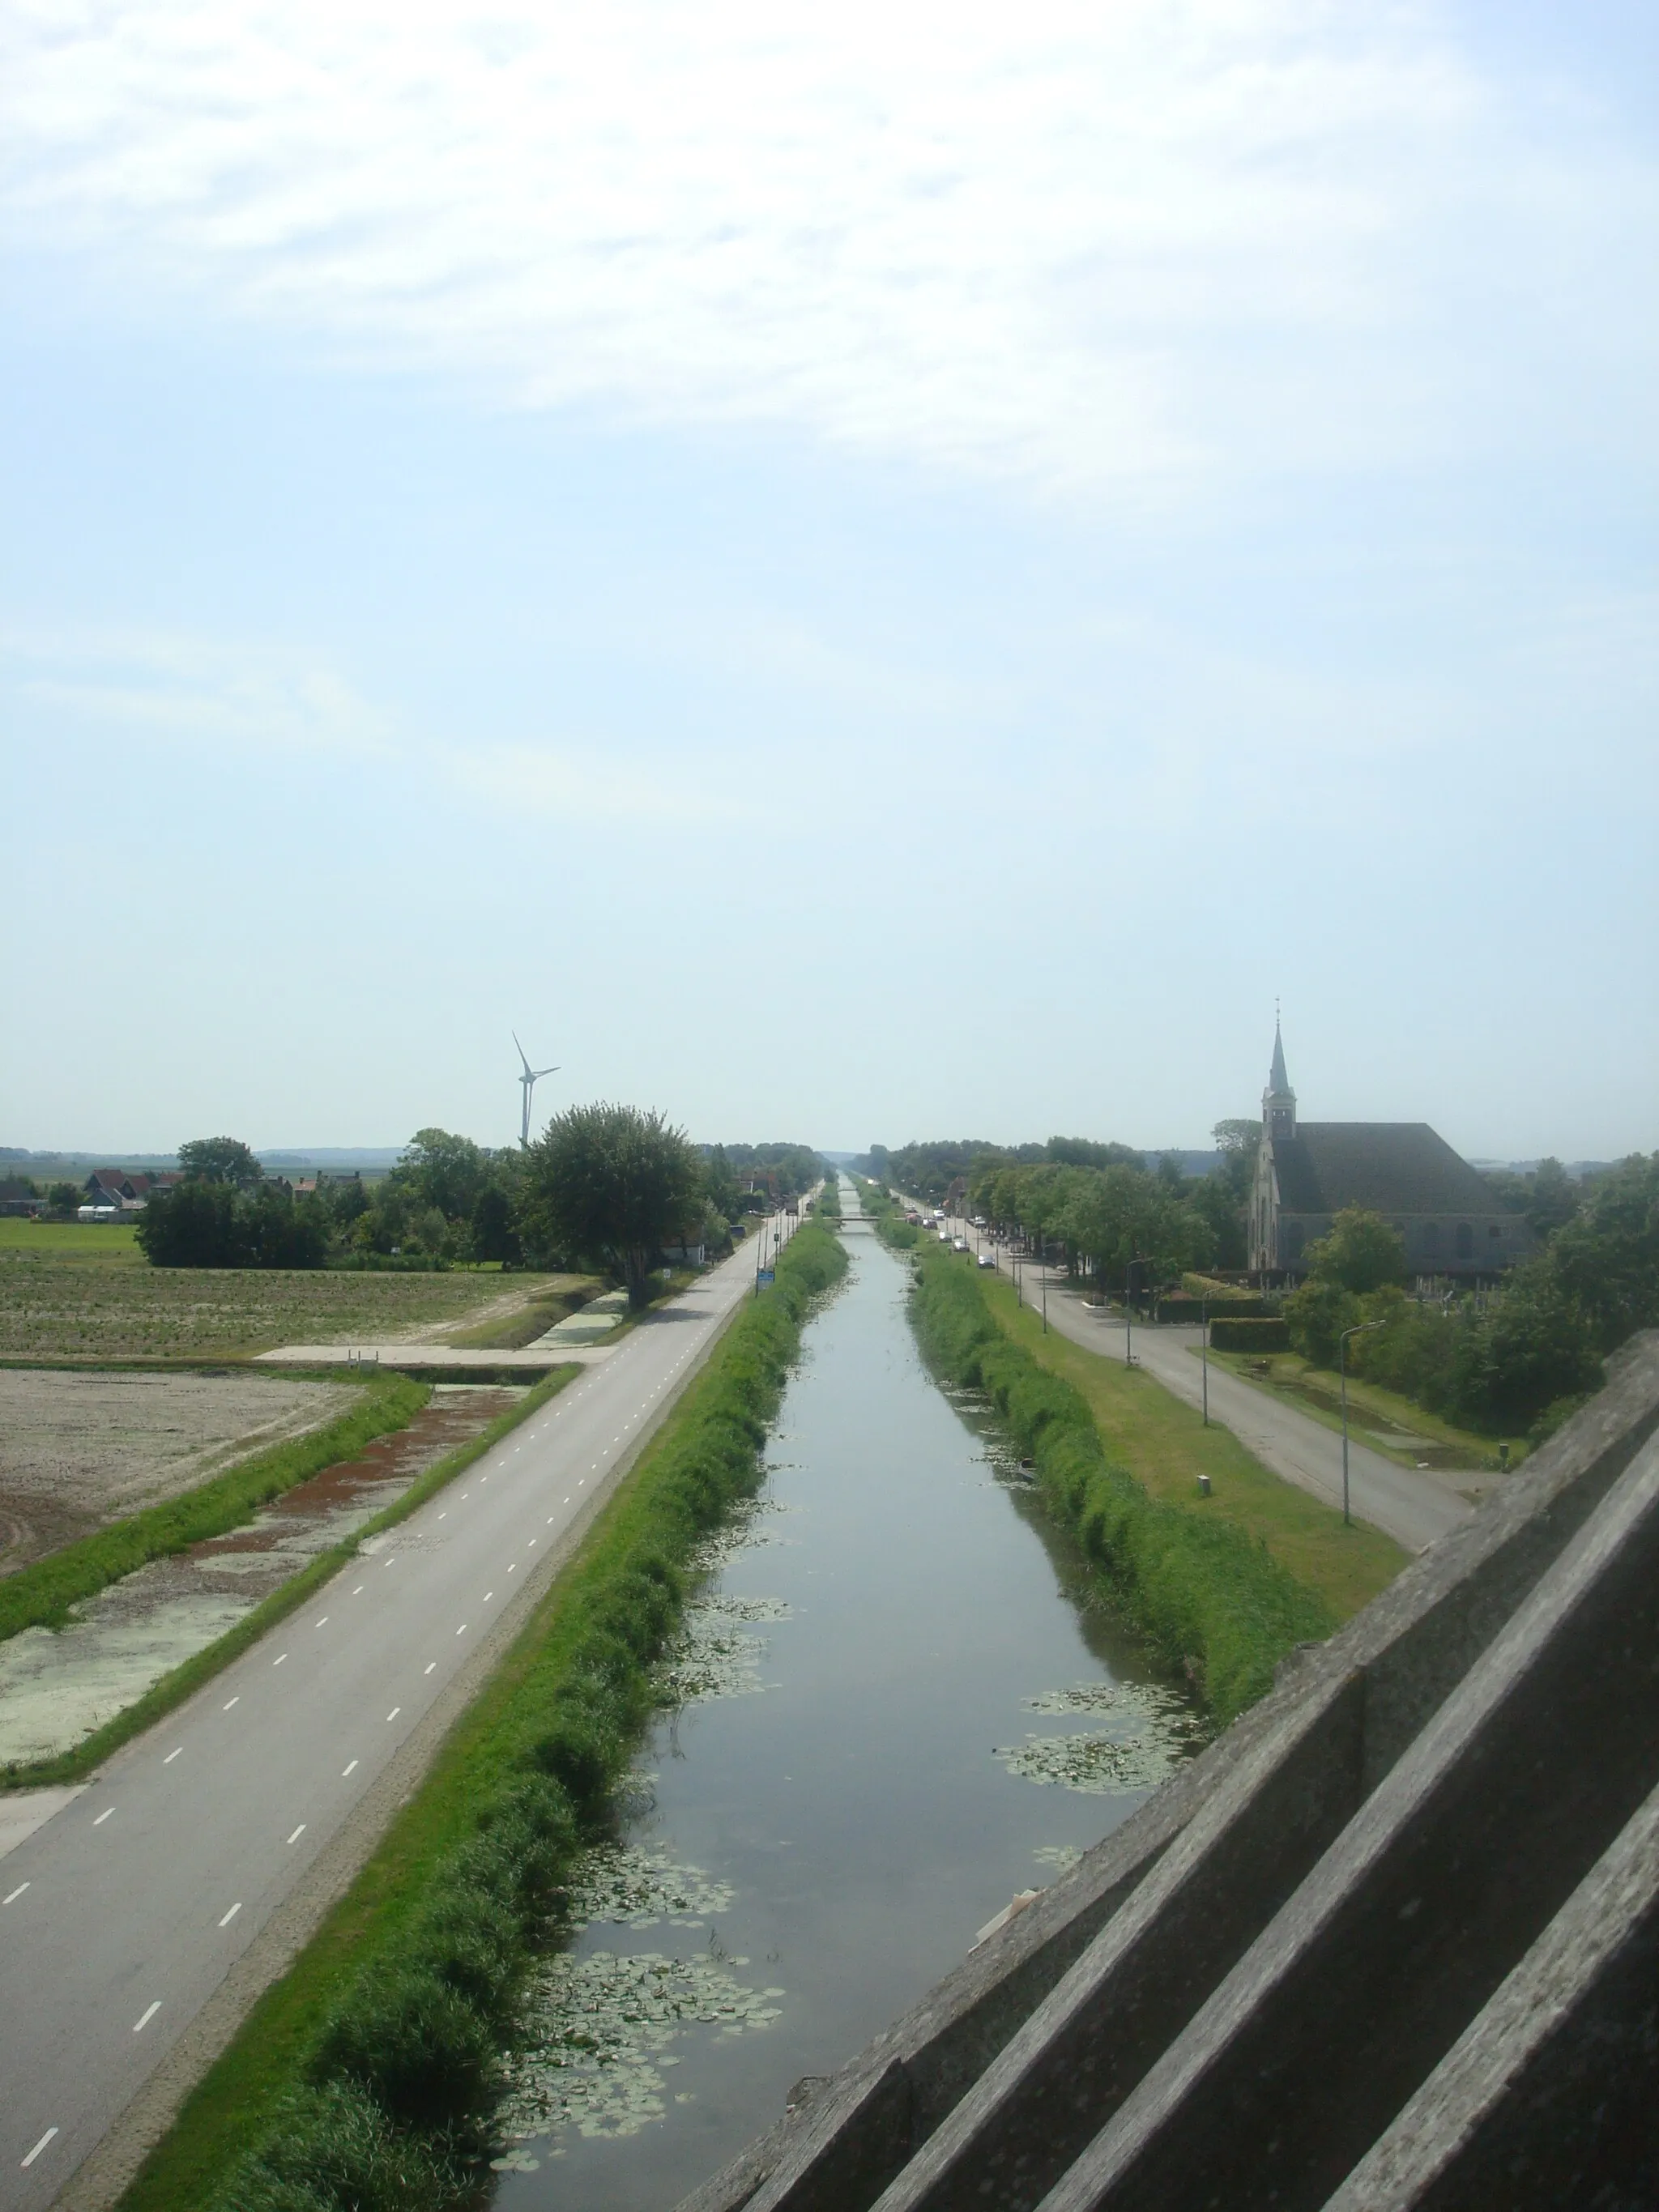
1390,1167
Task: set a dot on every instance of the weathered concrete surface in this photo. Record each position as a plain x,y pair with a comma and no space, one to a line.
1459,1755
1546,2098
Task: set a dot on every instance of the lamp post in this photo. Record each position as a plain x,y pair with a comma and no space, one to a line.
1358,1329
1129,1307
1044,1259
1203,1353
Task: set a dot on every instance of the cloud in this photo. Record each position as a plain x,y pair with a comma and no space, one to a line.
174,688
595,783
1130,244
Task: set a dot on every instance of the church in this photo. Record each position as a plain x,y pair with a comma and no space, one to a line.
1307,1171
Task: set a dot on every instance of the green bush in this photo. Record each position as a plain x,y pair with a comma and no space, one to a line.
1192,1306
1208,1598
337,2148
1249,1335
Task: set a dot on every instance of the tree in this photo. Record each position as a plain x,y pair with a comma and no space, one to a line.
612,1183
494,1233
220,1159
1607,1257
63,1198
1317,1314
444,1170
1361,1253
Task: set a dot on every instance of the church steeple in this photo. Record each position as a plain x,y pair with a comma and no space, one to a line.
1278,1100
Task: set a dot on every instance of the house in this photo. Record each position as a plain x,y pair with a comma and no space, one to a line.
113,1189
1307,1172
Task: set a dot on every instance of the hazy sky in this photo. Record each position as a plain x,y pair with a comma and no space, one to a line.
851,572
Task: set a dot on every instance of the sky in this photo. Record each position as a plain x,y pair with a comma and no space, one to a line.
850,575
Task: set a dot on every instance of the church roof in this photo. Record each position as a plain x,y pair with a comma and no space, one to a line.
1391,1167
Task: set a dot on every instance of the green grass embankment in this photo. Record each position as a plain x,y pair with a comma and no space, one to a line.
368,2077
39,1595
1205,1588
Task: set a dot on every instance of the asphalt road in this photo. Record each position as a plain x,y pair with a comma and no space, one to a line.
1413,1509
122,1914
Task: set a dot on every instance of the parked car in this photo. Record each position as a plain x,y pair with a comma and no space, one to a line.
944,1235
959,1244
988,1259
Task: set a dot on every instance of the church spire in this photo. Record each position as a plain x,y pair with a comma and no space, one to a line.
1278,1100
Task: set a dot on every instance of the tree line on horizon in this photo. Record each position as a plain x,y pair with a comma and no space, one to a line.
607,1184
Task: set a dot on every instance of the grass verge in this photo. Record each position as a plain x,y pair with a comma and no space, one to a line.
1204,1587
1383,1420
368,2077
39,1595
184,1680
1165,1446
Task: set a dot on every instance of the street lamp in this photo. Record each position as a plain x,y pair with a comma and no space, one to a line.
1358,1329
1203,1353
1129,1307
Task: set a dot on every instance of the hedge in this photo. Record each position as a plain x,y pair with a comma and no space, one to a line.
1230,1335
1211,1599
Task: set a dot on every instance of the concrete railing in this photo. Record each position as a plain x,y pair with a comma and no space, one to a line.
1345,1949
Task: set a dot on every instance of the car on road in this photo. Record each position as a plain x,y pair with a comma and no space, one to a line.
988,1259
944,1235
959,1244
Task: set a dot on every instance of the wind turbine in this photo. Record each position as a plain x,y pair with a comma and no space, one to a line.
528,1083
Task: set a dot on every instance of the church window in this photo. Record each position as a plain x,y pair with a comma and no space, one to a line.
1465,1241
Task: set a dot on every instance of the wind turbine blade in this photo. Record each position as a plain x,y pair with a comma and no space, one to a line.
541,1071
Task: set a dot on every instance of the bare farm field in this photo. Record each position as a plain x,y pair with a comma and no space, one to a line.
78,1451
71,1304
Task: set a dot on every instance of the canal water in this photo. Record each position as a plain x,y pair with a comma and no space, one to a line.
898,1711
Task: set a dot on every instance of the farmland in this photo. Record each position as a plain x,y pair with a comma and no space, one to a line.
86,1294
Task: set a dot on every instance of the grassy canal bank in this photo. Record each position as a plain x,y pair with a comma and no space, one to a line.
1224,1585
369,2076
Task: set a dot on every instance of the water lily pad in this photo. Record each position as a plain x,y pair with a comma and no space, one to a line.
597,2034
629,1888
1147,1731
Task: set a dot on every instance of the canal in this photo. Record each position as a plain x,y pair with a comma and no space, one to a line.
897,1709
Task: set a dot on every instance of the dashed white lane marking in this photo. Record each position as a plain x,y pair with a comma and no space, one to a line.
513,1569
231,1914
15,1894
170,1756
461,1631
465,1494
430,1664
358,1590
298,1832
102,1817
236,1700
345,1771
393,1714
389,1559
488,1595
278,1662
533,1547
323,1623
444,1516
40,2147
147,2016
